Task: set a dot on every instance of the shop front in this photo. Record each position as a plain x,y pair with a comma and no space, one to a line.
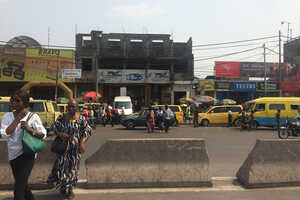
224,90
243,91
271,89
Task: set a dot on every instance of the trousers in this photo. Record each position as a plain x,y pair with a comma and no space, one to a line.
21,169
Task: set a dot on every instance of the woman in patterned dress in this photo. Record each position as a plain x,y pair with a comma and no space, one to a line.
74,128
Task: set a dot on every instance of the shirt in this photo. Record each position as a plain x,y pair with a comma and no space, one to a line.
14,141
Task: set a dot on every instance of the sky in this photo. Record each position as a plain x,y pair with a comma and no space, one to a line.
207,22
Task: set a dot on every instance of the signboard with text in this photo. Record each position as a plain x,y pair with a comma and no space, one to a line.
244,86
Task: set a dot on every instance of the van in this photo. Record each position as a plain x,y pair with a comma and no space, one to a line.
219,114
264,110
123,101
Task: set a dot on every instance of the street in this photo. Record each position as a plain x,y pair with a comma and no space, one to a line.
227,149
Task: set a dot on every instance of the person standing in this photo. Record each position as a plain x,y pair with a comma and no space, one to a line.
159,116
73,128
278,119
167,118
150,120
229,118
196,116
12,126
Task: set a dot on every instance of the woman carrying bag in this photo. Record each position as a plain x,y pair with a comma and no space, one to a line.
73,130
13,125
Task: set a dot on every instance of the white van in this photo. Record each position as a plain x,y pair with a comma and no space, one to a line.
123,101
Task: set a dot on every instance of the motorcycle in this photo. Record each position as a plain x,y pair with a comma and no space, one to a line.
289,129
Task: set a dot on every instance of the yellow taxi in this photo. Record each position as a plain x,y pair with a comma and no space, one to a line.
219,114
176,109
4,106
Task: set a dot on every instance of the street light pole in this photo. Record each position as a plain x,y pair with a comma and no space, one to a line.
56,79
265,68
279,66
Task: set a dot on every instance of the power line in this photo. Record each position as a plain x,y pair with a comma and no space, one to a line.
229,54
239,41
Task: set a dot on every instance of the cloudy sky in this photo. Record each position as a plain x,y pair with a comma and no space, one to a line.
207,22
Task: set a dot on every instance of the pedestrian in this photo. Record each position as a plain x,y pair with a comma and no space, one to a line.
167,118
150,120
73,128
278,119
196,116
12,126
116,115
110,115
188,113
159,119
229,118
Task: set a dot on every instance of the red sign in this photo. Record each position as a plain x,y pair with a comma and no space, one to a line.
292,86
227,69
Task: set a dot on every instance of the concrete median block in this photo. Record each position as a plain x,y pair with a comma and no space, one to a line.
149,163
271,163
39,174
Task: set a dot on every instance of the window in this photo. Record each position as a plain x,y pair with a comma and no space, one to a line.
277,107
219,110
295,107
86,64
260,107
36,107
174,109
234,109
4,107
119,105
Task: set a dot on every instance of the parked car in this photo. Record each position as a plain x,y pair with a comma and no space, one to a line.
139,120
219,114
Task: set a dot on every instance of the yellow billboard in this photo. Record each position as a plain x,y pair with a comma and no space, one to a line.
206,85
35,64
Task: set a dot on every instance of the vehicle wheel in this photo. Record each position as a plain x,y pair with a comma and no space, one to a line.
237,123
283,133
130,125
205,122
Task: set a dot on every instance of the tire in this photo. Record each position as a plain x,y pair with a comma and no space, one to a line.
205,122
237,122
283,133
130,125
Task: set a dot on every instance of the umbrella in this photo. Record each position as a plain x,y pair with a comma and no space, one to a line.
228,101
185,100
204,99
91,95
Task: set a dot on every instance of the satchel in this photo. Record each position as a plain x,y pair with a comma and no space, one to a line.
31,144
58,145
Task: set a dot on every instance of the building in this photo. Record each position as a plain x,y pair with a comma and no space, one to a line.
148,67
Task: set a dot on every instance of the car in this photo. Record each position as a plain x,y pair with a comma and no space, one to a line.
175,109
139,120
219,114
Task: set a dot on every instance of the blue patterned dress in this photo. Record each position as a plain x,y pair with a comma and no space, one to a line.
68,162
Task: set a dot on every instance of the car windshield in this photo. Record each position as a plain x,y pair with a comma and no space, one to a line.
127,105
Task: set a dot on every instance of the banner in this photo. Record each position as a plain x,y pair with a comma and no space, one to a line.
134,76
71,73
223,85
270,86
110,75
158,76
206,85
244,86
227,69
291,86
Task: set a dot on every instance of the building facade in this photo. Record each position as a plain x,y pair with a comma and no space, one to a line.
150,68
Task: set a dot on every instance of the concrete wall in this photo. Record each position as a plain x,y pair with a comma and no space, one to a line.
271,163
149,163
42,168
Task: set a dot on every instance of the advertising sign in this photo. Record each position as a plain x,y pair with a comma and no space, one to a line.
41,64
110,75
227,69
12,65
71,73
223,85
244,86
206,85
158,76
134,76
291,86
270,86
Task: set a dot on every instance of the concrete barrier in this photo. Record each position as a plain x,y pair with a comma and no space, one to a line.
180,162
40,172
271,163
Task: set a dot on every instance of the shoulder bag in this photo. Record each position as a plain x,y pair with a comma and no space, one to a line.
31,144
58,145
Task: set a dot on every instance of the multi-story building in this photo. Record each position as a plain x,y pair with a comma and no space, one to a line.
148,67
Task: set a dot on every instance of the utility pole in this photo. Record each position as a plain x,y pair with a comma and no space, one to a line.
56,79
279,66
97,78
265,68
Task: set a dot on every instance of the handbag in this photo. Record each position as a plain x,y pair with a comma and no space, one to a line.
31,144
58,145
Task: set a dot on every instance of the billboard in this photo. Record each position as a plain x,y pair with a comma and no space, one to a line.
34,64
110,75
158,76
134,76
227,69
244,86
206,85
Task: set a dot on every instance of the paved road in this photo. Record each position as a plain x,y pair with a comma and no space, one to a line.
227,149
